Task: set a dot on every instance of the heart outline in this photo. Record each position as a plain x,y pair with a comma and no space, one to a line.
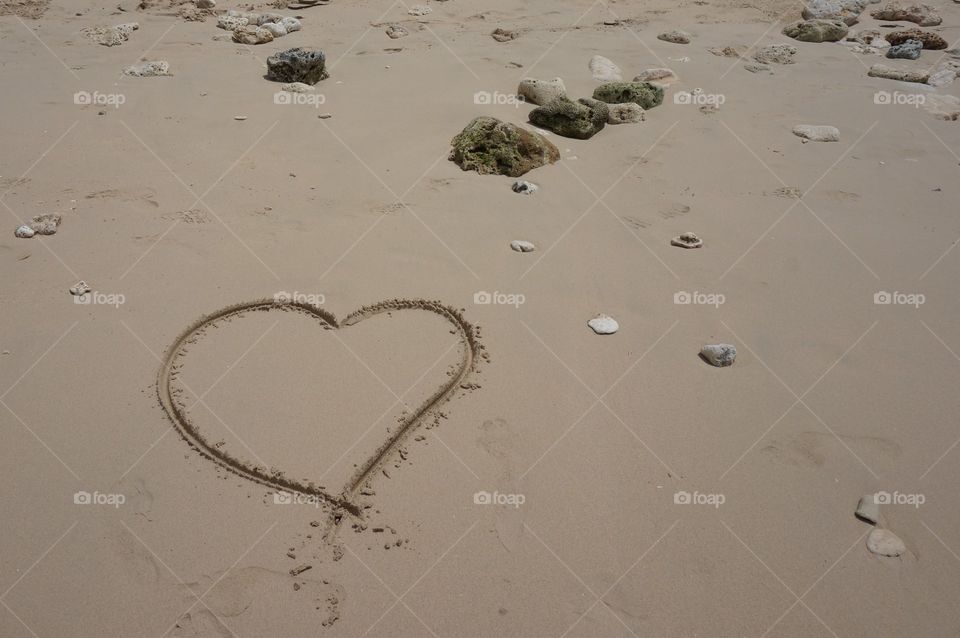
346,499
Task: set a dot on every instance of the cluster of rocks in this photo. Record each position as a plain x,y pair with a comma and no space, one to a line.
111,36
248,27
46,224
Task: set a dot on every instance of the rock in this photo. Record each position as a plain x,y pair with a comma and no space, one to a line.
643,93
675,36
883,542
522,246
817,133
252,35
868,509
206,4
909,50
817,31
24,232
420,10
504,35
580,120
275,28
846,10
661,76
728,51
524,187
604,69
930,40
79,289
297,87
603,325
541,92
269,18
46,224
490,146
148,69
776,54
888,73
719,355
867,36
291,24
626,113
396,31
756,67
297,65
240,118
231,22
922,14
942,77
687,240
111,36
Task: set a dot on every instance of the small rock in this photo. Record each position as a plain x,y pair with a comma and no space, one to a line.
299,569
687,240
79,289
817,31
883,542
275,28
420,10
603,325
817,133
252,35
490,146
231,22
291,24
206,4
24,232
148,69
728,51
396,31
240,118
846,10
922,14
909,50
776,54
604,69
720,355
46,224
541,92
868,509
929,39
675,36
580,120
297,87
661,76
943,75
325,116
645,94
522,246
756,67
297,65
626,113
111,36
504,35
524,187
889,73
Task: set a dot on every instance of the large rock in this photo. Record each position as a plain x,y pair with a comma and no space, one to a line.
922,14
889,73
490,146
909,50
643,93
581,119
929,39
817,30
541,92
846,10
297,65
775,54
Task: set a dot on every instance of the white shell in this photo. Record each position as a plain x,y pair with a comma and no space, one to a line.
603,325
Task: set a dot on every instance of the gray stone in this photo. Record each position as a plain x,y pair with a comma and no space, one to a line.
889,73
297,65
776,54
580,120
909,50
522,246
720,355
687,240
883,542
817,133
46,224
24,232
541,92
846,10
604,69
603,325
817,31
675,36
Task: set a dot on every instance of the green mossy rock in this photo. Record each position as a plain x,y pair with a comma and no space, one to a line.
492,147
581,119
643,93
818,30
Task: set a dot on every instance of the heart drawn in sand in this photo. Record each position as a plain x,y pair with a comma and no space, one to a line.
173,361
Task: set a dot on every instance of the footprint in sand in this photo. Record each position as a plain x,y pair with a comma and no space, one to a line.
674,210
499,439
811,449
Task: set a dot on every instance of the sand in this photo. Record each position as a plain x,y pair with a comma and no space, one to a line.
565,483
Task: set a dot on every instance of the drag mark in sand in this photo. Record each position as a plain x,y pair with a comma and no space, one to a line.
345,501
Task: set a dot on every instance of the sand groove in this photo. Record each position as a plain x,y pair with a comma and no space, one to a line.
173,361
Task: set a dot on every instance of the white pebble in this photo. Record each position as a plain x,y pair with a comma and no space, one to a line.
522,246
24,232
719,355
883,542
603,325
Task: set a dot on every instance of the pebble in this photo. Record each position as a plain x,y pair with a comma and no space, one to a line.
626,113
776,54
24,232
817,133
719,355
522,246
420,10
524,187
687,240
148,69
297,87
541,92
504,35
603,325
240,118
79,289
883,542
675,36
325,116
868,509
604,70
